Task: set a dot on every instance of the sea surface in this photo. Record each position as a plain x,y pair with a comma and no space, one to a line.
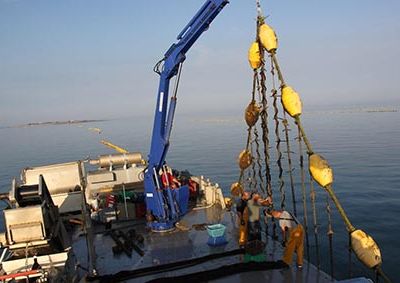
362,147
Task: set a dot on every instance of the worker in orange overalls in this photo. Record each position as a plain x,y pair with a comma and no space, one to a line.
293,235
243,216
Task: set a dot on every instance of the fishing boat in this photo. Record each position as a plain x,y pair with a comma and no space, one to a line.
123,218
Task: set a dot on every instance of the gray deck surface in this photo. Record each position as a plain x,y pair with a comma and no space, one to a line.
163,248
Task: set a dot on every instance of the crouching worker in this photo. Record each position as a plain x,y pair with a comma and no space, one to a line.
254,204
293,235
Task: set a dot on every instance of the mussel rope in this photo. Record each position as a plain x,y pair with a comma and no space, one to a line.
350,228
249,178
253,94
274,93
328,188
257,149
288,151
315,221
330,234
263,189
303,187
252,172
349,255
264,122
285,124
264,111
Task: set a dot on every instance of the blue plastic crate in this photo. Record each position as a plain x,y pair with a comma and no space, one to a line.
216,230
217,241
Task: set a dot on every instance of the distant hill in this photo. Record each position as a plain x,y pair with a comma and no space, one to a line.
32,124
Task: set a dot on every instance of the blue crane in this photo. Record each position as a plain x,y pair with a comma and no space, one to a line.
165,205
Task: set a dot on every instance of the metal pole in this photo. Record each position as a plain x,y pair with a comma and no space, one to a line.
126,207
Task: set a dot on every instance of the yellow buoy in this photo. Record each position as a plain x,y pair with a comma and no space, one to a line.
251,114
365,248
291,101
245,159
254,55
268,38
320,170
236,189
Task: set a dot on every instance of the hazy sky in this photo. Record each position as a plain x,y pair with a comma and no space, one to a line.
93,59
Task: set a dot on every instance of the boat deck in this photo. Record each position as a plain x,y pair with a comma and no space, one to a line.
184,253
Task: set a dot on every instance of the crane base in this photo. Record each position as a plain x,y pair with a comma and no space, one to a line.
161,226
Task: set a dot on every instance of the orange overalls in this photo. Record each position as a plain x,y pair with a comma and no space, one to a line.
243,222
295,243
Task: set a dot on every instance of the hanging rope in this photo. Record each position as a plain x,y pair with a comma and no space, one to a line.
258,159
319,168
330,234
278,139
303,187
315,222
248,142
264,114
252,172
264,119
349,256
288,152
275,65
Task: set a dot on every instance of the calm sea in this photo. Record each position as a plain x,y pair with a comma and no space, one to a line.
362,147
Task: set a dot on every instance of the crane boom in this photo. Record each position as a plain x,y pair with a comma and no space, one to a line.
161,202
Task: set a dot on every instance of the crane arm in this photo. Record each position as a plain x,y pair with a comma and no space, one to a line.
173,58
167,68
